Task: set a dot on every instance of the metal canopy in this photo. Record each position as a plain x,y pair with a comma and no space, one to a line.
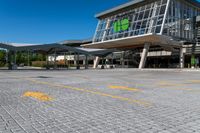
7,46
51,48
72,42
47,47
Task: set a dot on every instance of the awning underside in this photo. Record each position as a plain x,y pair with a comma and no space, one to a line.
134,42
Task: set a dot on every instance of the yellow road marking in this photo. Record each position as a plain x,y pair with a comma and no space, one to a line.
38,95
186,89
194,81
163,83
139,102
168,84
123,88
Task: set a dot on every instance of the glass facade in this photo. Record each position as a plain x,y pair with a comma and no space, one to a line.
144,19
180,20
148,19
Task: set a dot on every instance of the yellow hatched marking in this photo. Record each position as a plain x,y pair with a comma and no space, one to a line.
123,88
38,95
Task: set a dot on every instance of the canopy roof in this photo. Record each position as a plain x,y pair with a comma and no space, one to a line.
55,47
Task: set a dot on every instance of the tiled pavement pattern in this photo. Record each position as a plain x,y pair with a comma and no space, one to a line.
173,98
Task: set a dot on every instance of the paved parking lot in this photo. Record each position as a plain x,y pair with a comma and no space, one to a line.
99,101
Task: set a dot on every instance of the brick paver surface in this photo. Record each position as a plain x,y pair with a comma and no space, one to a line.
100,101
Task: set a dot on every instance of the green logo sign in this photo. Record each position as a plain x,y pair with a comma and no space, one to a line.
121,25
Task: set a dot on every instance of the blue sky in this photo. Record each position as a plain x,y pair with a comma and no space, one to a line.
46,21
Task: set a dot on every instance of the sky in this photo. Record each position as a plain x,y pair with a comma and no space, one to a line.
48,21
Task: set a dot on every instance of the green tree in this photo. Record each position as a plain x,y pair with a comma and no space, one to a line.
2,58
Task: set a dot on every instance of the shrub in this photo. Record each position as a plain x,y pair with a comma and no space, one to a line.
38,63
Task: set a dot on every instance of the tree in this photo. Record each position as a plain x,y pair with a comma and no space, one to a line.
2,58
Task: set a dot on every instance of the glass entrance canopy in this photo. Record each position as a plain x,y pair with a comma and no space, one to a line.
146,17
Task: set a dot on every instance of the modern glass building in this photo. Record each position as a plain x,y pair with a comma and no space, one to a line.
149,25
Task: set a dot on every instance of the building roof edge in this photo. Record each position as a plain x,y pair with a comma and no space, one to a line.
99,15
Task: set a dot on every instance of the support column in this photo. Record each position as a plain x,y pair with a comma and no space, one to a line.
65,59
28,58
6,56
55,65
86,62
9,60
70,58
47,61
15,60
15,57
112,62
78,64
182,57
75,59
122,59
144,56
103,63
96,62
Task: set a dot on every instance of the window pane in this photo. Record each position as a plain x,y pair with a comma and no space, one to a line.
144,24
158,29
136,32
142,31
133,28
154,21
141,15
157,10
148,6
162,9
136,16
142,8
164,2
160,20
138,25
159,2
146,15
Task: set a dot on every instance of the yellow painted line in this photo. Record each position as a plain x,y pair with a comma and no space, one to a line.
168,84
194,81
186,89
139,102
38,95
195,91
123,88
